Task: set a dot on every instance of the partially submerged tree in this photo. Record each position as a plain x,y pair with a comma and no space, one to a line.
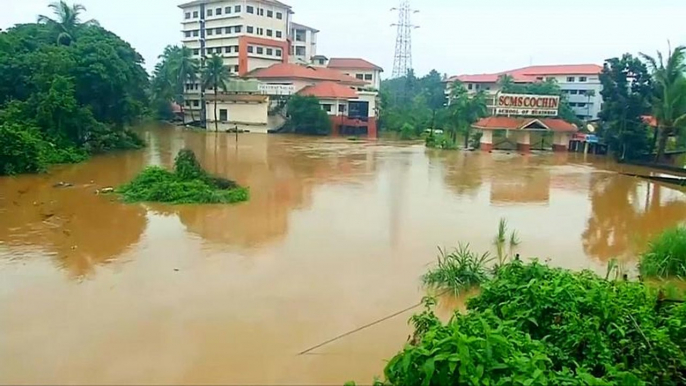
464,110
215,76
305,116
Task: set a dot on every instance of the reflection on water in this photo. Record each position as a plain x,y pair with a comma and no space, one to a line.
335,236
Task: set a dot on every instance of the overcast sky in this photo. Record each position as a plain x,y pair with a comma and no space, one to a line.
455,36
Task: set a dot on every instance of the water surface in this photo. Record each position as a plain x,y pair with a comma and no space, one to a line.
335,236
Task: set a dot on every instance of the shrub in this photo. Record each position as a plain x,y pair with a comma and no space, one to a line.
21,150
305,116
536,325
407,132
458,271
189,184
666,255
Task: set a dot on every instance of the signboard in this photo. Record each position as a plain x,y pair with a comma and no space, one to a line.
276,89
527,105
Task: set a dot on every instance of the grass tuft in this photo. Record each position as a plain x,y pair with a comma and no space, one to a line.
458,271
666,255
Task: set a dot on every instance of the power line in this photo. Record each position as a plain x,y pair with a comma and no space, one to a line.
402,62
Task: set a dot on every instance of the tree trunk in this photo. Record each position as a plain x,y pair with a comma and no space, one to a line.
466,137
662,144
216,119
192,116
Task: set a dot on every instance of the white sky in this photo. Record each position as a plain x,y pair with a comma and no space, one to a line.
455,36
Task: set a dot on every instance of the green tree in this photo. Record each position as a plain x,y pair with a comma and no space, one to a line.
305,116
216,75
626,93
66,22
465,110
669,99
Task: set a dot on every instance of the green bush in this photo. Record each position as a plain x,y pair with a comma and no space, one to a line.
407,132
536,325
305,116
21,150
666,255
189,184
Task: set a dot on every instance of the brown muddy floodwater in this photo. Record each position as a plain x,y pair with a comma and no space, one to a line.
335,236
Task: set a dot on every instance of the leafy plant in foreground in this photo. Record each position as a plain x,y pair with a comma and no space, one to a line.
666,255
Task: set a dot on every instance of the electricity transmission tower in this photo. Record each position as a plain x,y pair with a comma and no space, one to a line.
403,41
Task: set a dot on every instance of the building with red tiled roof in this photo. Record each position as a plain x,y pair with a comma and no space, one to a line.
329,90
358,68
289,71
522,127
580,84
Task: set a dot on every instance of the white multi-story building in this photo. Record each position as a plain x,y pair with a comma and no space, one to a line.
359,69
580,83
303,43
248,34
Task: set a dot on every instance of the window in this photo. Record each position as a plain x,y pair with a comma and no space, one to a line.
188,103
573,92
583,79
188,34
270,51
210,32
279,34
581,105
227,10
218,11
237,9
299,51
539,78
227,30
279,15
270,13
188,15
367,76
570,79
260,50
209,12
260,31
196,52
235,68
341,109
196,103
196,32
359,76
250,49
218,31
582,92
223,115
300,35
250,29
249,9
270,32
327,107
195,14
235,48
260,11
278,52
237,29
470,86
572,104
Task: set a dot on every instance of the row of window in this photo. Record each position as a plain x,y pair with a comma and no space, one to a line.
235,9
575,92
236,29
329,107
363,76
265,51
572,79
578,104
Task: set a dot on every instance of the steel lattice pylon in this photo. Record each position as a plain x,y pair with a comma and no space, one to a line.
403,41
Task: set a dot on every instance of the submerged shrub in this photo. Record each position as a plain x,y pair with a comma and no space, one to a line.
21,150
536,325
666,255
190,184
458,271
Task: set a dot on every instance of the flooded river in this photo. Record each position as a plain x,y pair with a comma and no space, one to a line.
334,237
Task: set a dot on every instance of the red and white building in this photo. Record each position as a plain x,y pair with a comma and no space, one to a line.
359,69
580,83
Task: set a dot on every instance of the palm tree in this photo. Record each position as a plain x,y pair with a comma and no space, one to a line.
589,94
67,21
184,69
216,75
506,83
669,101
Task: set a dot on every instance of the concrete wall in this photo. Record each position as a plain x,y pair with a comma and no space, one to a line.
240,112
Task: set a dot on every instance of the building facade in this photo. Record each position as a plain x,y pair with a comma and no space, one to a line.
247,34
359,69
303,41
580,84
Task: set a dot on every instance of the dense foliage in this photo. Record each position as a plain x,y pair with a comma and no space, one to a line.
188,184
176,68
627,87
305,116
536,325
666,255
66,88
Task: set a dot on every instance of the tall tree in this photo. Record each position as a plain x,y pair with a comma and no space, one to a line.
627,89
669,99
216,75
66,22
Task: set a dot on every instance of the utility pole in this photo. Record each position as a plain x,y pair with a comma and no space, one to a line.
402,62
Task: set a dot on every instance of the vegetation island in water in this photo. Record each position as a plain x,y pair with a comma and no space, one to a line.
187,184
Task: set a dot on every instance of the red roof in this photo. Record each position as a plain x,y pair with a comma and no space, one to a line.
296,71
329,90
511,123
649,120
353,63
529,74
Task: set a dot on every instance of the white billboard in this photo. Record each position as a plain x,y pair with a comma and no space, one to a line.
527,105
